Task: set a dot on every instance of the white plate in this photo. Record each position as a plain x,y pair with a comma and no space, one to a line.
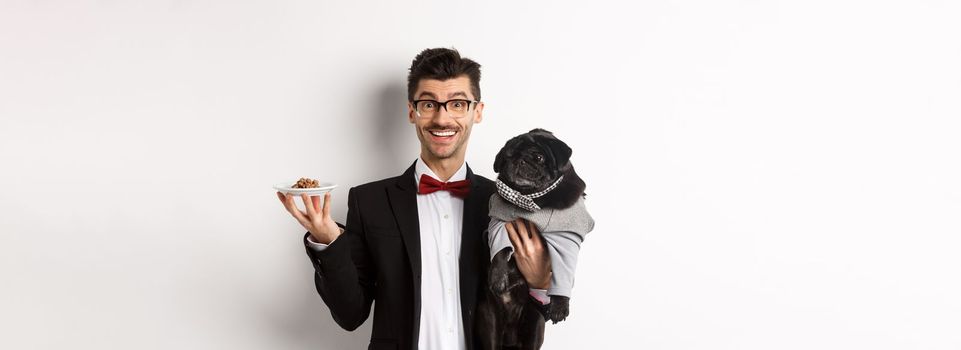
287,187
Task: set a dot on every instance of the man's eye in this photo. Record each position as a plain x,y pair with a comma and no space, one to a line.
458,104
429,105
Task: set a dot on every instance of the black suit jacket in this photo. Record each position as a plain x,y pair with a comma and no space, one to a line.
378,258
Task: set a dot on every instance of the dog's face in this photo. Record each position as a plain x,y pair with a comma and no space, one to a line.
531,162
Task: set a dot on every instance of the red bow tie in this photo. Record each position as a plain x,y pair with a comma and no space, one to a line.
429,184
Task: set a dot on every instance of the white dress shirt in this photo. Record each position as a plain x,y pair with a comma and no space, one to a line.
440,216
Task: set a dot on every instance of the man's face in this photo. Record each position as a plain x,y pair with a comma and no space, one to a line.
443,135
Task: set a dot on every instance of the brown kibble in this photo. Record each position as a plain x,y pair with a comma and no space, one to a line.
306,183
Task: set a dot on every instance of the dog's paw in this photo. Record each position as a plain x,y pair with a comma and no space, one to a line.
560,308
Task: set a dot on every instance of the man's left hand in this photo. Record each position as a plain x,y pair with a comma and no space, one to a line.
532,258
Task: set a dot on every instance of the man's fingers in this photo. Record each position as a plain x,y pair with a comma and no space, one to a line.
535,235
285,198
293,210
522,231
326,211
315,200
308,205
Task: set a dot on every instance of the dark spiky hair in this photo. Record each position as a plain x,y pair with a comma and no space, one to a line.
442,64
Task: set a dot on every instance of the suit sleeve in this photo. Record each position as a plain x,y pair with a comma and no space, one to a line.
344,275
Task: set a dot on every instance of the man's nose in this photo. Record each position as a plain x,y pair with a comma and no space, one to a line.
442,114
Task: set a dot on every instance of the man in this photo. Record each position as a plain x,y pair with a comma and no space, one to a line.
415,243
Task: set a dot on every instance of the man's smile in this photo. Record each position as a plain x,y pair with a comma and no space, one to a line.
442,135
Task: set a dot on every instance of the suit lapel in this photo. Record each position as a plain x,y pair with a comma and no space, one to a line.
403,202
474,206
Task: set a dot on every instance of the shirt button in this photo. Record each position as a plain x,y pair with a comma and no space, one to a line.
445,216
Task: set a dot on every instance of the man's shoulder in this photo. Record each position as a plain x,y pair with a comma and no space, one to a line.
483,187
377,186
483,182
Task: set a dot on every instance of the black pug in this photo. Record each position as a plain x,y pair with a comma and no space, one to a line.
537,182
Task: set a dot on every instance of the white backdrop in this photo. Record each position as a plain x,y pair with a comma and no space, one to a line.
764,174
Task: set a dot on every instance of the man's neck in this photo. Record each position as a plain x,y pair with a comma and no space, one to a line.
443,168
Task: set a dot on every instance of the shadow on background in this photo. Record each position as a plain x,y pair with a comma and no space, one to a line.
306,320
397,143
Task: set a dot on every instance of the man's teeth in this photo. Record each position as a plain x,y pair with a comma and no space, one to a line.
442,133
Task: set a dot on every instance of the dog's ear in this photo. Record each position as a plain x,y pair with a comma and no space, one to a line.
562,153
501,157
499,161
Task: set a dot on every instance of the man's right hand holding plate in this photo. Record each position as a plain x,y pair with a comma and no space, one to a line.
316,220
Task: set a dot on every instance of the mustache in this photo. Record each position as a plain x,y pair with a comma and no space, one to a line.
442,127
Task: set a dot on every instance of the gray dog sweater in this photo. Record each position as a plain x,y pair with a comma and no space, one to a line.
563,231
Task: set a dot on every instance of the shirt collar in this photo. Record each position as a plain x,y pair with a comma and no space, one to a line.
420,168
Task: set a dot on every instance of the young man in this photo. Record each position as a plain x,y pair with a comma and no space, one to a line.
415,243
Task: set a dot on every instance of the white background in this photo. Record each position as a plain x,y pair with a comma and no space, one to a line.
764,174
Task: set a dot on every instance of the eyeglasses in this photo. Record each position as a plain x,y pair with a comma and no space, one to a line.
456,108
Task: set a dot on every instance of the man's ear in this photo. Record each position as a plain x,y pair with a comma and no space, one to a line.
562,153
478,112
411,113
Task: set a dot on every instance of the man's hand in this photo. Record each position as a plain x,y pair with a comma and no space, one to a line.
316,220
529,253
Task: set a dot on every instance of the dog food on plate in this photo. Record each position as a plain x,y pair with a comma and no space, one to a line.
306,183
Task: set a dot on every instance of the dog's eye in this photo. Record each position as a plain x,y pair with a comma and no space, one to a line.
539,157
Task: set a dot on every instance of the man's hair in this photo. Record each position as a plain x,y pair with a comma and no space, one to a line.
442,64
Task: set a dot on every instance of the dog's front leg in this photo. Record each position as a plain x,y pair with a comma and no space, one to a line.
487,326
531,332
